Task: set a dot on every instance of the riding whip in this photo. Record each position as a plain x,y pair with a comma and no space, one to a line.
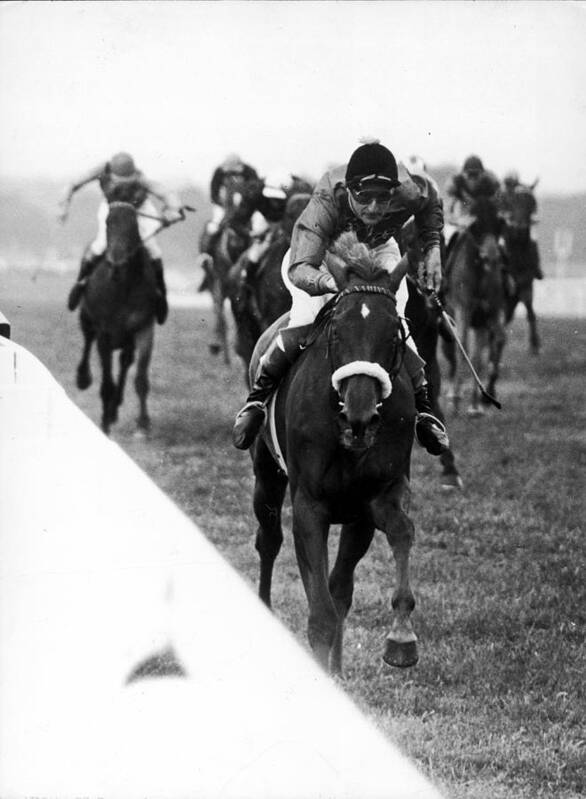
181,218
452,328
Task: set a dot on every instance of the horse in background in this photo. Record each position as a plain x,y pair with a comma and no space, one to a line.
233,238
426,326
344,424
523,258
118,312
474,292
257,293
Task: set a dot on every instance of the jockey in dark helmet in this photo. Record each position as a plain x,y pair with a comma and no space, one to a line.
368,197
508,200
462,190
232,167
121,181
272,206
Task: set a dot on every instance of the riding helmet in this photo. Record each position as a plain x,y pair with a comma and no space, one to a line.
122,165
372,163
473,164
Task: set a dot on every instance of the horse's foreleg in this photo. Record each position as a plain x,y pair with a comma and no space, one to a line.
143,342
310,533
461,331
390,516
219,341
480,345
108,387
84,375
269,493
496,344
126,358
534,339
355,540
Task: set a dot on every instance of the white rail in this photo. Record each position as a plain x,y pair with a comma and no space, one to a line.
99,570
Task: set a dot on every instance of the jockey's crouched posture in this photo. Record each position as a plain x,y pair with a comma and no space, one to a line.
365,196
121,181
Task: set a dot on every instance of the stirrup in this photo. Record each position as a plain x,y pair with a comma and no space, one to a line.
431,433
248,422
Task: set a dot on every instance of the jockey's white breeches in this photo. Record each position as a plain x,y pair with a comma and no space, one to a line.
218,214
305,308
146,227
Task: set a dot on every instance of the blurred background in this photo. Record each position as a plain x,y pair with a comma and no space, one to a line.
292,85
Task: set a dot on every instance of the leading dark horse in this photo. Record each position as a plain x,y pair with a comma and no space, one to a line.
118,312
258,295
425,325
523,259
474,293
233,238
344,419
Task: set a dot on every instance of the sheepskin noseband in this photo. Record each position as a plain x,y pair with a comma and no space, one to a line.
363,368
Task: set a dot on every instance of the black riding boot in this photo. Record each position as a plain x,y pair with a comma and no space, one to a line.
161,308
430,432
87,266
273,366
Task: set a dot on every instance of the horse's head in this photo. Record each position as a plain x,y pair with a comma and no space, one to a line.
241,199
521,207
365,337
123,237
487,219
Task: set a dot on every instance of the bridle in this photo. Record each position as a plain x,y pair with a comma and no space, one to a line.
371,368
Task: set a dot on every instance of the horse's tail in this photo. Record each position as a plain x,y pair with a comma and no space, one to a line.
206,264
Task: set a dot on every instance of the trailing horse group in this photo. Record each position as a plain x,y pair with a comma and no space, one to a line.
340,426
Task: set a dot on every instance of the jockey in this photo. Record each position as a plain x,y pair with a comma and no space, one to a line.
232,167
270,211
507,201
366,196
121,181
462,190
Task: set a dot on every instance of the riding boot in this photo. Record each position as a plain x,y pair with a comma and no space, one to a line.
273,366
161,307
87,266
430,431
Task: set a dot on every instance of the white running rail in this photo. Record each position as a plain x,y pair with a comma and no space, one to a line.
99,570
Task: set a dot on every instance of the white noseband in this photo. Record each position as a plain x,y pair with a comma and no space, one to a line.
363,368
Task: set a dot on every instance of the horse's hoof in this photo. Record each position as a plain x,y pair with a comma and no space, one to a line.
140,434
401,654
452,482
474,411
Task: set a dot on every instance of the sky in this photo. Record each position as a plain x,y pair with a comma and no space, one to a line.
293,85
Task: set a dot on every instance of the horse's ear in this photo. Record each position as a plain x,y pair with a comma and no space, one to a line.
398,274
337,268
534,184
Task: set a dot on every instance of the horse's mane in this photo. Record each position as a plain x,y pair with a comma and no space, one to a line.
356,258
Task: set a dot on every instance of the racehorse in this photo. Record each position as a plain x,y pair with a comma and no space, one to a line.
474,292
344,420
118,312
257,293
426,326
240,202
523,259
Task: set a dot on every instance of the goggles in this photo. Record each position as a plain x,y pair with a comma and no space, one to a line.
366,196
